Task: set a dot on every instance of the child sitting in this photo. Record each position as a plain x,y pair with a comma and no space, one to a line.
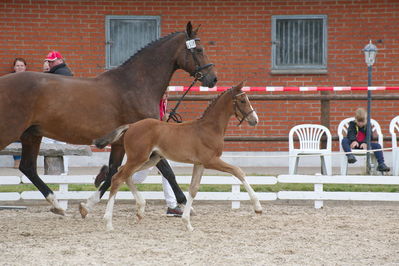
356,139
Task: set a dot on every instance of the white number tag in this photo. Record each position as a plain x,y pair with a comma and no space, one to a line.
190,44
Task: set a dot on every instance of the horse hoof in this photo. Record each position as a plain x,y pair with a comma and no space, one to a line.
258,212
139,217
58,211
83,210
110,228
190,228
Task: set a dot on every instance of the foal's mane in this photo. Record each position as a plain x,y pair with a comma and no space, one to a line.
213,102
151,44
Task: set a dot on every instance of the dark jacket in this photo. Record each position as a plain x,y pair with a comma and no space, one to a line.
61,69
353,129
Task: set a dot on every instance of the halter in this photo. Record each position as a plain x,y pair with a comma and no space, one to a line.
190,44
197,74
237,108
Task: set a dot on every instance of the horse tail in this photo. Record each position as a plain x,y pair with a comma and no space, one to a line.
111,137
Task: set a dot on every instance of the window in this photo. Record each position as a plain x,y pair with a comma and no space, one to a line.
299,44
125,35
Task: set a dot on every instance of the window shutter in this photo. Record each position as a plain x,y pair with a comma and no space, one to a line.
299,42
128,34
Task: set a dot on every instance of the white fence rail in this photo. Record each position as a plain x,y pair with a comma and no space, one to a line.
235,196
319,195
63,194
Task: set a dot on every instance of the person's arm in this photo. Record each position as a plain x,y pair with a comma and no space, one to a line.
351,135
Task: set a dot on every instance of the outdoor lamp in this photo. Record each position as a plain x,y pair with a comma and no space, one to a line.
370,51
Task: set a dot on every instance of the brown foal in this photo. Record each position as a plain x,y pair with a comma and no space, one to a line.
199,142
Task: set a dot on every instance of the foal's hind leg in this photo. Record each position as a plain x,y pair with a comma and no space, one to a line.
198,170
115,160
140,201
121,176
220,165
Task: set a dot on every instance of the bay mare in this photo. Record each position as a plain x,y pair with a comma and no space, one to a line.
78,110
198,142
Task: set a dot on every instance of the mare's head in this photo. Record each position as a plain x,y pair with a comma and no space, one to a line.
194,60
242,106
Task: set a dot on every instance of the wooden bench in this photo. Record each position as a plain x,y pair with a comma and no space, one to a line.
53,155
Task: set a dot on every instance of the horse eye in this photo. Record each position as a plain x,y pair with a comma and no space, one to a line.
199,50
242,101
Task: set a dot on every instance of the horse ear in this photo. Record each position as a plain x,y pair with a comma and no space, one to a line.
189,29
240,85
197,29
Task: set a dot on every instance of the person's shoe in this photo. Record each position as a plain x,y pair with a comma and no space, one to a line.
174,212
351,158
383,168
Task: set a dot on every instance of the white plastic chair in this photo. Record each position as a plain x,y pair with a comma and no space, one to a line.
394,127
343,130
309,137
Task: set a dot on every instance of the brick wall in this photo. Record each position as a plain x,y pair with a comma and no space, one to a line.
237,37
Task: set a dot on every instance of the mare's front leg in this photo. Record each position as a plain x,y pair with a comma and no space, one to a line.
218,164
198,171
30,150
115,160
167,172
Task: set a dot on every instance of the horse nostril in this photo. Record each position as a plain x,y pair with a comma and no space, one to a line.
215,80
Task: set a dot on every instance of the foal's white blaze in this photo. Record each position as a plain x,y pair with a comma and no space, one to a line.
254,117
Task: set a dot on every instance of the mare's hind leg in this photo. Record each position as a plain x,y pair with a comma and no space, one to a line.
220,165
166,171
198,170
30,150
115,160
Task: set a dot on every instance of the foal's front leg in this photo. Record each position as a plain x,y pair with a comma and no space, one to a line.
220,165
198,170
140,201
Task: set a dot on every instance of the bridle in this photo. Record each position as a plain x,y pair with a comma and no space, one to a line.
197,74
238,110
190,44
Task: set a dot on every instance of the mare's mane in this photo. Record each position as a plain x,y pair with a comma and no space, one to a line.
213,102
150,44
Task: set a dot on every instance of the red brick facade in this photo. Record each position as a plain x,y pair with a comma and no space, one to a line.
237,36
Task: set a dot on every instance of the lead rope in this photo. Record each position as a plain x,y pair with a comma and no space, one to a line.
175,116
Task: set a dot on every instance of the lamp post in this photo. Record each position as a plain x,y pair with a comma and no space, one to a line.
370,51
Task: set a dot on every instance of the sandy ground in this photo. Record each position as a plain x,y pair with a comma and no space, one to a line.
286,234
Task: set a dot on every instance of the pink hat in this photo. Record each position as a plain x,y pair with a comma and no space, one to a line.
53,55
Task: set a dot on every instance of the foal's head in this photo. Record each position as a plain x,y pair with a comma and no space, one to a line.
242,107
194,60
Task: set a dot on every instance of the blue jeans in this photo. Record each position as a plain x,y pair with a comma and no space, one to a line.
17,157
374,146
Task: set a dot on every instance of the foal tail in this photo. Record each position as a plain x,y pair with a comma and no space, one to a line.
110,137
